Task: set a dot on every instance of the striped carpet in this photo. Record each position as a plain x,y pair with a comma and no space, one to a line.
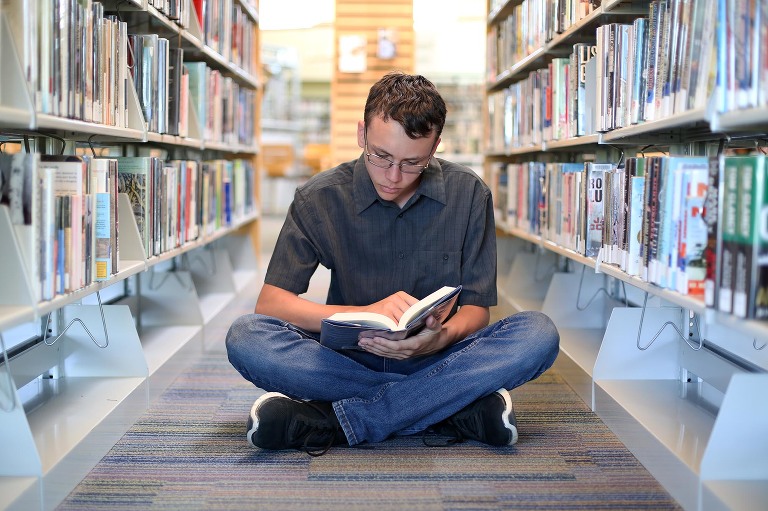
189,452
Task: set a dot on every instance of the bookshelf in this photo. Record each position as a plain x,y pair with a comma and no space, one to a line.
65,400
681,403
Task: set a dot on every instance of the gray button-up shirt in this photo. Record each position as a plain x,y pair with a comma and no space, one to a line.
444,235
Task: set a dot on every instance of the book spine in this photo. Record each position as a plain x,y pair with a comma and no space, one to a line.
635,225
712,250
595,218
657,180
759,293
692,265
748,172
727,259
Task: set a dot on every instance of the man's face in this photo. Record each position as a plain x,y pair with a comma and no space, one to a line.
386,140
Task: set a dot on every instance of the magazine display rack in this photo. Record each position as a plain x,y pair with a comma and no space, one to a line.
100,366
678,382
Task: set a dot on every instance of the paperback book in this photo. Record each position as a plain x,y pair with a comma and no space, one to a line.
342,330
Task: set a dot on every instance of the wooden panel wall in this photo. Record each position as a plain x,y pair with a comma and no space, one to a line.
349,90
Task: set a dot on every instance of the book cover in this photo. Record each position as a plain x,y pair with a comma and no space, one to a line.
134,178
342,331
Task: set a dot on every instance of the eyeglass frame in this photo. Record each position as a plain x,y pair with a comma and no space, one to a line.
399,165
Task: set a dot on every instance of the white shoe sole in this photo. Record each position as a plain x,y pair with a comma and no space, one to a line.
504,393
255,408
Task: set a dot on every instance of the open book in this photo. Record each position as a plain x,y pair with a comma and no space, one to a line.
343,329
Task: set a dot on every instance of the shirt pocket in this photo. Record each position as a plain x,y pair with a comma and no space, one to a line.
438,269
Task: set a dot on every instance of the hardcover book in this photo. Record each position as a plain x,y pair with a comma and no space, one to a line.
342,330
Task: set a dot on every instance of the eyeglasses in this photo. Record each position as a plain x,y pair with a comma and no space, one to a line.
385,163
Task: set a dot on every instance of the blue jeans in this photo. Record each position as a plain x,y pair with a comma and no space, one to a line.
375,397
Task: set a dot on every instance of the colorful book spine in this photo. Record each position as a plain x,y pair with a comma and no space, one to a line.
728,227
712,250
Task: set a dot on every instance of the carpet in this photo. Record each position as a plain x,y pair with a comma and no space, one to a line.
189,452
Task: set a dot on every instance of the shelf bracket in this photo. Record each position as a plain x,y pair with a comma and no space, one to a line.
154,286
210,269
596,293
78,320
695,347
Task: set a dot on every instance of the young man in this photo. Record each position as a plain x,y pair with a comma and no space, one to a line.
392,226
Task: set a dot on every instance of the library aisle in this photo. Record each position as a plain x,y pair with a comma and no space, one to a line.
188,452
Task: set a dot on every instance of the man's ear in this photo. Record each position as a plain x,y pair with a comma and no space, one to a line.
361,134
437,144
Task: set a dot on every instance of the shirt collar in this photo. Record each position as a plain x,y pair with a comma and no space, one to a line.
432,185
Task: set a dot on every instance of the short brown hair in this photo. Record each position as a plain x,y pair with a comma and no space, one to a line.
411,100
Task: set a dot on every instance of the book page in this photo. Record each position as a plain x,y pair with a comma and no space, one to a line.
417,308
365,319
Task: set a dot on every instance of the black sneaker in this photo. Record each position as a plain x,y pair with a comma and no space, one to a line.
278,422
490,420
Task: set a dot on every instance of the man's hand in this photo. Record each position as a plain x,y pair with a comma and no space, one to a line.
426,342
392,306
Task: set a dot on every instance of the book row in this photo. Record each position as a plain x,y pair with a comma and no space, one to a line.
64,210
73,58
78,62
175,10
229,31
530,25
226,111
695,225
166,85
678,58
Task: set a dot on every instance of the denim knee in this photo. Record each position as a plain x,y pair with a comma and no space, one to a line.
244,333
540,327
237,333
546,333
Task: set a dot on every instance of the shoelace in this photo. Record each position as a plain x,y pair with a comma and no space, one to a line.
454,437
315,432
